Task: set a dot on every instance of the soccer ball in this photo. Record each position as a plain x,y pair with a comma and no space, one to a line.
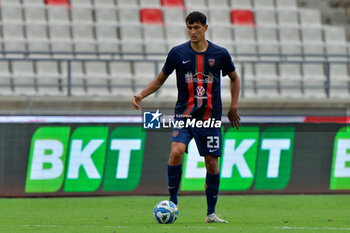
165,212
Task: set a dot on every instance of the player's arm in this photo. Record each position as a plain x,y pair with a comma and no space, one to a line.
232,114
149,89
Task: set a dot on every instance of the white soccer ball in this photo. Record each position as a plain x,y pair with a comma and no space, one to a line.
165,212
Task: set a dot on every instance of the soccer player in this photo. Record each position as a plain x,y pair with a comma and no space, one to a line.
198,64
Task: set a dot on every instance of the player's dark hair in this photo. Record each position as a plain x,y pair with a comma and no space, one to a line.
196,17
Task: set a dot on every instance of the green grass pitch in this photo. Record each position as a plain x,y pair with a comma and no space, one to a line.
249,213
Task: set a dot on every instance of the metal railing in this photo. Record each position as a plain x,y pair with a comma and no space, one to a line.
325,60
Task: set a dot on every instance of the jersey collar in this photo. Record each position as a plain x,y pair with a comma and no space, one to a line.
209,46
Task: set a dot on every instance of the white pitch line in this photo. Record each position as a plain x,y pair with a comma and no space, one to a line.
78,226
61,226
169,227
313,228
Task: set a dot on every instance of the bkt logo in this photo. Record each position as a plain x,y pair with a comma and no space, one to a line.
340,173
151,120
249,159
80,161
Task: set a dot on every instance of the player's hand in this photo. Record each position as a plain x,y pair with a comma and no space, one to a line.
234,117
136,102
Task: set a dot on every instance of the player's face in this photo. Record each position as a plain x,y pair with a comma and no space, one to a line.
196,32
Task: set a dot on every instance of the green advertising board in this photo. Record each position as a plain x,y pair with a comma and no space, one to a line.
275,158
86,159
246,157
239,158
102,159
340,173
47,158
124,159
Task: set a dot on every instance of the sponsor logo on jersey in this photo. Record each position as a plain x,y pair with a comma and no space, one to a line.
207,78
200,93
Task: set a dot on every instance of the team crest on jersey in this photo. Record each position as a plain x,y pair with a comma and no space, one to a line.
211,62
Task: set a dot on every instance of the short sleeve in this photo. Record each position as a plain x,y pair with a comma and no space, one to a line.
228,66
169,65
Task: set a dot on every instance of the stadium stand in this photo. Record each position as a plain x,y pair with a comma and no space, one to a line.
48,78
241,4
173,3
114,47
242,17
151,16
58,3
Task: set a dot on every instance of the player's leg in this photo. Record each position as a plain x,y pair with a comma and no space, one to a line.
175,169
180,140
209,143
177,152
212,183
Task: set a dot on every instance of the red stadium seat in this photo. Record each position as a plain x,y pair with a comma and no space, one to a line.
151,16
242,17
173,3
58,3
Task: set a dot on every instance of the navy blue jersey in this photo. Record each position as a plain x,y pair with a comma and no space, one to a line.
198,79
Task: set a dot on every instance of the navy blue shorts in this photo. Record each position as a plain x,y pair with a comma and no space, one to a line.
208,140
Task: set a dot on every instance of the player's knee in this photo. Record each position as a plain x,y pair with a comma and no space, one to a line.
212,165
176,155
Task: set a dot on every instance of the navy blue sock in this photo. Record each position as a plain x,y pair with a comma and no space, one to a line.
174,178
212,191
